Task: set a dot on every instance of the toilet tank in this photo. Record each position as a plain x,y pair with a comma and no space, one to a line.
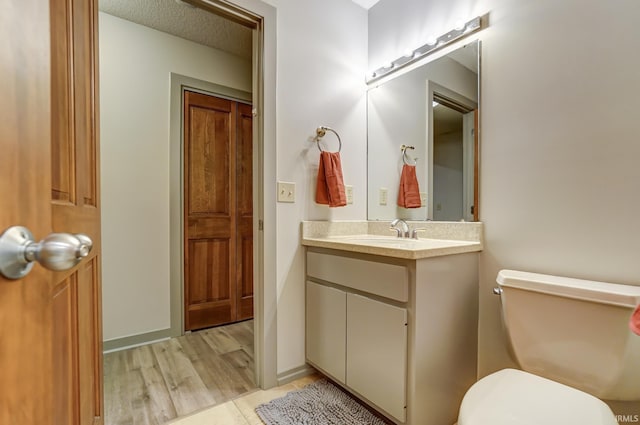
573,331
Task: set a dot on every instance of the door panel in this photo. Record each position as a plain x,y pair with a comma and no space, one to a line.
209,160
63,150
244,161
203,270
75,209
90,369
65,341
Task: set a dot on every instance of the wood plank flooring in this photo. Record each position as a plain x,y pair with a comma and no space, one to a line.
152,384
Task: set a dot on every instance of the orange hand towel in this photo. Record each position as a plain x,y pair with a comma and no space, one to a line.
330,185
409,193
634,321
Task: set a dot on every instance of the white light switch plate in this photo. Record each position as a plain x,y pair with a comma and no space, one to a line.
286,192
349,192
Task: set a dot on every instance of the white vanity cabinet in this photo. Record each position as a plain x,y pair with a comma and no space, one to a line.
357,326
399,334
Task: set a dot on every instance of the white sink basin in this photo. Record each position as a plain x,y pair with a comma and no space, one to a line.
393,246
377,239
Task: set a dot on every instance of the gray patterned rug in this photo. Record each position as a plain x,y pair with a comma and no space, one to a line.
319,403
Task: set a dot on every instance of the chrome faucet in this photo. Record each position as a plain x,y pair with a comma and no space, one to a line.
403,231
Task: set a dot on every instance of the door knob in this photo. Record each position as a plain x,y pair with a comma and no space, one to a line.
57,251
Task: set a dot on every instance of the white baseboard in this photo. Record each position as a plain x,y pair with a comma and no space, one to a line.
295,373
123,343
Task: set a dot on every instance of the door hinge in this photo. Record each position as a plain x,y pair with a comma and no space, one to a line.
472,209
260,225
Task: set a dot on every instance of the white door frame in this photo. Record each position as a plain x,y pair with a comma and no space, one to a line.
262,18
456,98
468,163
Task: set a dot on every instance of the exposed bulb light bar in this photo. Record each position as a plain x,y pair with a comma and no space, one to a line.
433,44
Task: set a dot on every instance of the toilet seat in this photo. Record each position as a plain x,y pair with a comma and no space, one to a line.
514,397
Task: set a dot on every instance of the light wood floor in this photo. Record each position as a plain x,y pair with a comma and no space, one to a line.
155,383
241,411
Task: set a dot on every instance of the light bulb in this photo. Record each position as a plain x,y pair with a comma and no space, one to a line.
409,53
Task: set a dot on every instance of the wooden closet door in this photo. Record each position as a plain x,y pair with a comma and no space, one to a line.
244,190
218,211
209,210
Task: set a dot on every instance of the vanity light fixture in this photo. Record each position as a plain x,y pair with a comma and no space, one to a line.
433,44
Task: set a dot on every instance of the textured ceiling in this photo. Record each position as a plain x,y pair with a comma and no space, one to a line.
185,21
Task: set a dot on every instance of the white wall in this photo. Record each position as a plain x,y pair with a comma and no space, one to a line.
559,148
322,61
135,67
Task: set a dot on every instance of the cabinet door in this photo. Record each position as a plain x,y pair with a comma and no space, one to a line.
377,353
326,329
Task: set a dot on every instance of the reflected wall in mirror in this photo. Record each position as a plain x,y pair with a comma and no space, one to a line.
433,107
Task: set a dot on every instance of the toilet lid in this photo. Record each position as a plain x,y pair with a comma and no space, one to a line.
514,397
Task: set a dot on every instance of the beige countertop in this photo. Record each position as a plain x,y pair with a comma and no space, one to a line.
436,238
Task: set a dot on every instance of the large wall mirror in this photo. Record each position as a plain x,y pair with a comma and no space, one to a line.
433,109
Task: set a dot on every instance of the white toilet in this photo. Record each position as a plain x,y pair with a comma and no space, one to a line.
571,338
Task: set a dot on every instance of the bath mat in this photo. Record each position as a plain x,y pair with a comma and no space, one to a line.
319,403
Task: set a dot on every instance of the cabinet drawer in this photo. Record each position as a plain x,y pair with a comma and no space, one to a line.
386,280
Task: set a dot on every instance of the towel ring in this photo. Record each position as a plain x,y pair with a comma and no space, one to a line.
320,133
404,148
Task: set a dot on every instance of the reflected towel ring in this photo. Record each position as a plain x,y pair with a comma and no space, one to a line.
404,148
320,133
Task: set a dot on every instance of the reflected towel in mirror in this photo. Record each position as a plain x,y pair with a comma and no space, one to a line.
634,321
330,185
409,193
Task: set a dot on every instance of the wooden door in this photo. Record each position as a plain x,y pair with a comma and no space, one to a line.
75,208
50,323
218,247
244,194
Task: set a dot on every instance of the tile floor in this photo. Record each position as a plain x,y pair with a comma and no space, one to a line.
241,411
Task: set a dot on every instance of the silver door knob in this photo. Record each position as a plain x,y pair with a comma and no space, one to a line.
57,251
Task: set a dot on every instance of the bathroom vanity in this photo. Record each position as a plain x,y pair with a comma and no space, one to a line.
394,321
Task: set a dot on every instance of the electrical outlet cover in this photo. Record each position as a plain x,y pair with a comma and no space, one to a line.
349,192
423,199
383,195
